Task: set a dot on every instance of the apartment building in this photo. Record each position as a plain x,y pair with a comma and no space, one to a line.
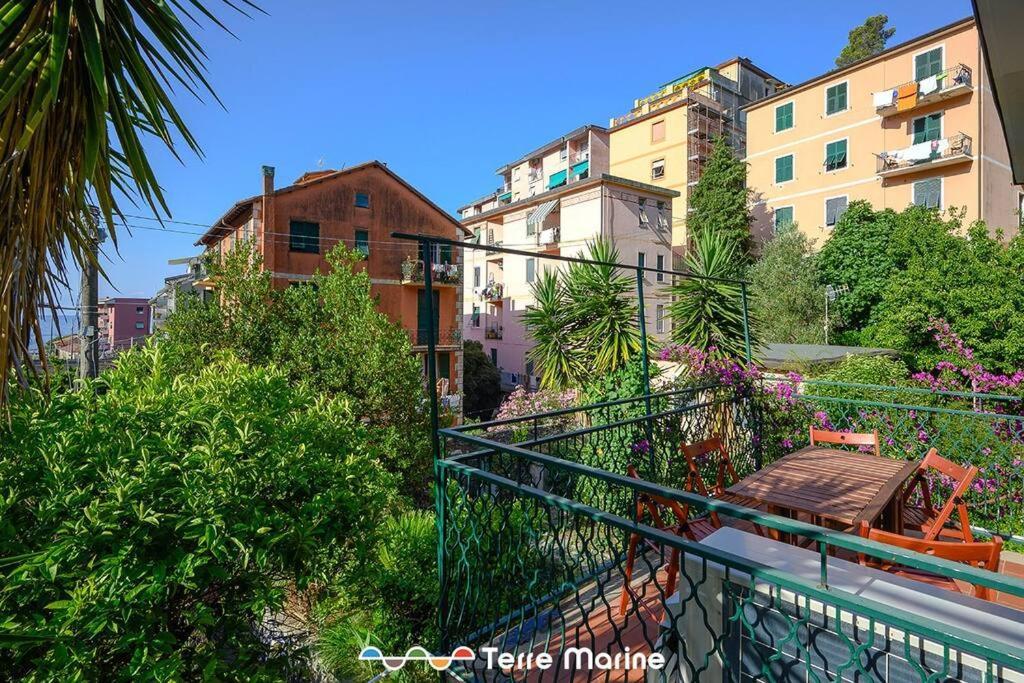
635,216
165,301
570,158
295,226
666,138
122,322
915,124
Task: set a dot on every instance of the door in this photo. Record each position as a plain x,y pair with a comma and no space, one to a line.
422,321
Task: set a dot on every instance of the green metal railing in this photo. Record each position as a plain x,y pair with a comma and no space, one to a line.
535,523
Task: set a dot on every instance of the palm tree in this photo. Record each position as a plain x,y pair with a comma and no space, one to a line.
85,84
603,308
707,311
555,353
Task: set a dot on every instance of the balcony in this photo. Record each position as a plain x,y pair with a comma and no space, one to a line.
493,331
545,550
952,82
549,237
446,338
925,155
493,292
443,274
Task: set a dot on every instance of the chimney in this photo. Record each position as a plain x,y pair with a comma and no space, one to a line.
268,180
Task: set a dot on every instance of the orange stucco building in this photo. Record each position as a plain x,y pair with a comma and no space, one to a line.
295,226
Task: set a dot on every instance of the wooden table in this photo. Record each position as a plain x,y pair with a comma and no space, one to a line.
836,486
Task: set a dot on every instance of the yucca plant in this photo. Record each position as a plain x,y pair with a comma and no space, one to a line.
85,84
707,310
549,323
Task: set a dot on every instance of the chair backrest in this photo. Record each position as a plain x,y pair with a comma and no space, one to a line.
961,478
984,555
725,473
846,439
651,502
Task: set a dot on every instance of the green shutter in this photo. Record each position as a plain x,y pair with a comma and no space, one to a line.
928,193
784,117
423,320
304,237
444,365
363,242
446,253
928,128
835,155
530,269
784,168
928,64
835,98
783,218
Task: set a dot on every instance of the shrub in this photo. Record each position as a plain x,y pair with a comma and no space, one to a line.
481,382
787,298
165,516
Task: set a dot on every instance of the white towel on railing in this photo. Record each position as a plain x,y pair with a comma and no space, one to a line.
918,152
884,99
928,85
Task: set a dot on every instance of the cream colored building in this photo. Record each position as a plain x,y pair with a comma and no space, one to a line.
913,124
666,138
635,217
575,156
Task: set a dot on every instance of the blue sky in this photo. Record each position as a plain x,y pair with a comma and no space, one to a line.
446,92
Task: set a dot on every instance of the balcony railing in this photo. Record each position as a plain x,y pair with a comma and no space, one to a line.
494,332
538,515
549,236
443,273
951,82
447,337
932,153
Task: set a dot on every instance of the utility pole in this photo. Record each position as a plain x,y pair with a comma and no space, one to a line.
88,349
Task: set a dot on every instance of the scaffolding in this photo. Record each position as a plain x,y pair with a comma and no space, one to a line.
707,120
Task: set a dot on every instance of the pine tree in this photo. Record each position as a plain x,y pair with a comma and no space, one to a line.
867,39
720,199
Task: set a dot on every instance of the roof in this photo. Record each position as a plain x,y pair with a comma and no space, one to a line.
828,75
748,65
559,140
603,179
787,356
315,177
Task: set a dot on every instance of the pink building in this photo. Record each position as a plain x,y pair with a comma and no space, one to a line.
123,322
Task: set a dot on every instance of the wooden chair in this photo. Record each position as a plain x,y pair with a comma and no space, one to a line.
930,521
984,555
655,507
819,436
725,476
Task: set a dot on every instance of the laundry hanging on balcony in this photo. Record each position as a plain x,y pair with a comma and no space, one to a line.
929,85
886,98
536,219
906,97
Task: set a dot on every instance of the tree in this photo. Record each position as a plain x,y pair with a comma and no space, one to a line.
327,334
787,298
866,40
583,322
720,199
481,382
707,313
160,518
85,87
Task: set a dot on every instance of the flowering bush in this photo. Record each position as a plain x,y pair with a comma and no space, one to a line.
963,372
522,403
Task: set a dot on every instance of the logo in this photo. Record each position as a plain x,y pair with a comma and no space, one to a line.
417,654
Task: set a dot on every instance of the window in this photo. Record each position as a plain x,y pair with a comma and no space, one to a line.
784,168
658,131
304,237
928,193
834,208
529,368
835,99
140,310
563,154
927,64
660,262
659,318
476,276
835,155
657,169
783,218
494,357
641,259
1020,210
363,242
476,235
362,200
140,326
644,220
783,117
476,316
927,128
662,218
515,173
531,269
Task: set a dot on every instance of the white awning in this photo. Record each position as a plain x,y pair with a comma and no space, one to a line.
541,212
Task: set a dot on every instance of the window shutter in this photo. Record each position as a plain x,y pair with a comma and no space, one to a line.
928,193
928,64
